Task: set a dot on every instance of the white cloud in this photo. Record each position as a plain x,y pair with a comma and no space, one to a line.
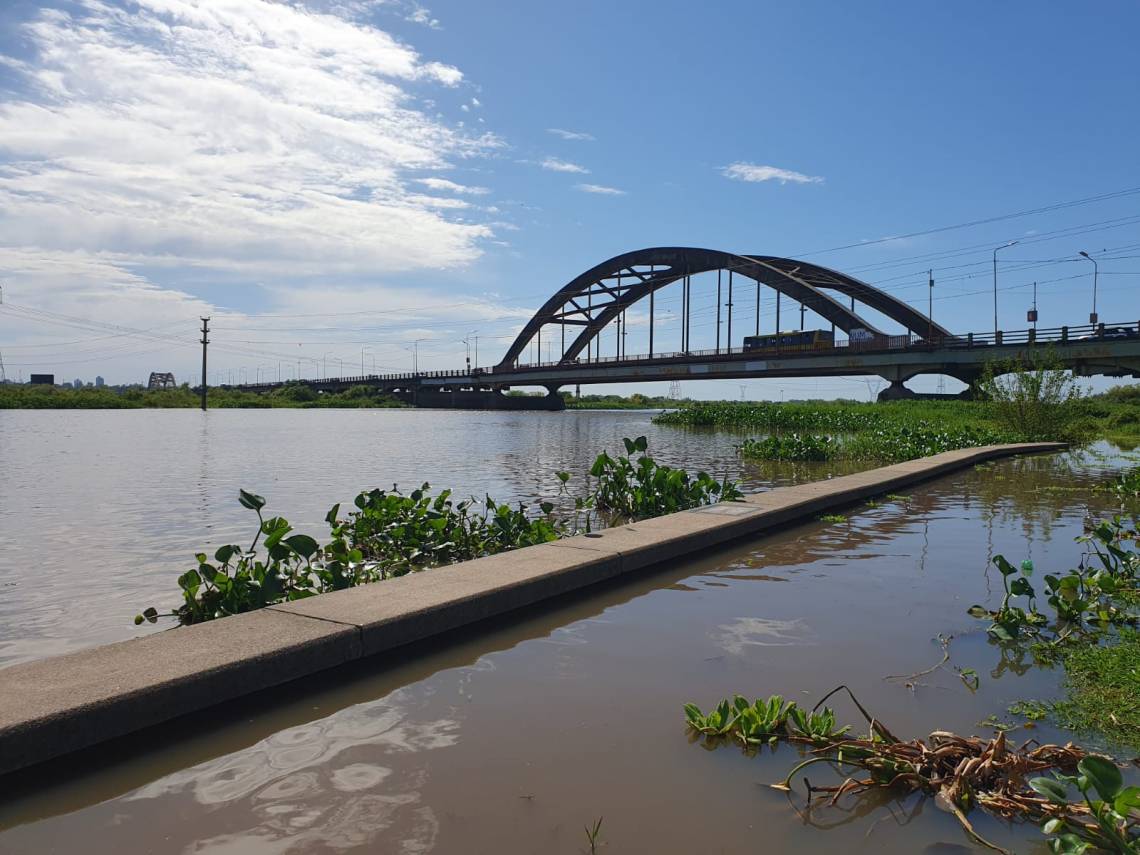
444,185
599,189
227,133
741,171
420,15
570,135
556,165
163,145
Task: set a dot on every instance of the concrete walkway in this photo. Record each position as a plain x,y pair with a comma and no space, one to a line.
57,706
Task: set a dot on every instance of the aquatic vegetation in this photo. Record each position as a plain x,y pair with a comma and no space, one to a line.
919,439
718,722
1102,685
818,727
635,490
886,443
792,446
592,835
832,518
390,534
763,721
1125,486
1010,621
845,417
397,534
1030,710
960,772
1088,598
1094,606
1105,816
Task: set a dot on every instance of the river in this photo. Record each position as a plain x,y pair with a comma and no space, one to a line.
511,737
101,511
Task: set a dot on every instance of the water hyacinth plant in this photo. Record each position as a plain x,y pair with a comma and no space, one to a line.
389,534
634,490
962,773
1097,594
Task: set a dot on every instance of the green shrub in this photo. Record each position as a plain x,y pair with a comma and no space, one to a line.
1034,397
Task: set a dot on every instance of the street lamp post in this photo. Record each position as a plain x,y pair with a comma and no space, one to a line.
415,351
930,305
467,341
1003,246
1093,317
362,349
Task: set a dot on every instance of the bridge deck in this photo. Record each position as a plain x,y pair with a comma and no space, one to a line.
1103,349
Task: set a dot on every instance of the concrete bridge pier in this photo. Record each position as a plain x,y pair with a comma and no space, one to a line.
897,377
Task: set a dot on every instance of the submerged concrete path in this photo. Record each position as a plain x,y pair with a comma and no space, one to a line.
57,706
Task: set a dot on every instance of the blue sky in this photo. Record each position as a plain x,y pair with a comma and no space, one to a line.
337,176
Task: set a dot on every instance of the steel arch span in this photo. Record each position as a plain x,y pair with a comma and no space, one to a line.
590,301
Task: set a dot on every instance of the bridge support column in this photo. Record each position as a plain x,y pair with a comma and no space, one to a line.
896,392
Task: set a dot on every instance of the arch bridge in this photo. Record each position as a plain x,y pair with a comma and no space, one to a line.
624,291
605,293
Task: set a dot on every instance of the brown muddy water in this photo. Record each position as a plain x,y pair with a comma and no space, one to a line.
102,511
511,738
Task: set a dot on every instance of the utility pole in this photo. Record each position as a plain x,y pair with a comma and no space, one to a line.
930,306
205,341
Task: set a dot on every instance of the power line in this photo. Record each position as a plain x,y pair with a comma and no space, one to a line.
1057,206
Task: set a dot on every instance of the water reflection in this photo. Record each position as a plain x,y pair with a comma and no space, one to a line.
327,784
746,632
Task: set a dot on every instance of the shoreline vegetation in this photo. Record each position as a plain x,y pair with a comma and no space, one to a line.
294,395
389,534
903,430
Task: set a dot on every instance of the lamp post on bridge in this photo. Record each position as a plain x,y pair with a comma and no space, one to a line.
1093,317
467,341
362,349
415,351
1003,246
930,305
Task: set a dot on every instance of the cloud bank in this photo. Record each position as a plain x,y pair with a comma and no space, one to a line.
245,133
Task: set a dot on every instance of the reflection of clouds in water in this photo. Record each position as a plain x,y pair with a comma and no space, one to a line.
345,826
760,632
292,795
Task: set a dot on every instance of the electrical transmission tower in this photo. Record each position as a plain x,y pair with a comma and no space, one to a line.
3,376
675,390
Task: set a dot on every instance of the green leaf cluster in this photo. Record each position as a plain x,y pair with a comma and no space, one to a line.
389,534
1112,806
629,489
763,721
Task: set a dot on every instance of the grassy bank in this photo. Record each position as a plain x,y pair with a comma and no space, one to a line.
26,397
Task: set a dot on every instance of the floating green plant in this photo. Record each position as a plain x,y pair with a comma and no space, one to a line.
389,533
960,772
